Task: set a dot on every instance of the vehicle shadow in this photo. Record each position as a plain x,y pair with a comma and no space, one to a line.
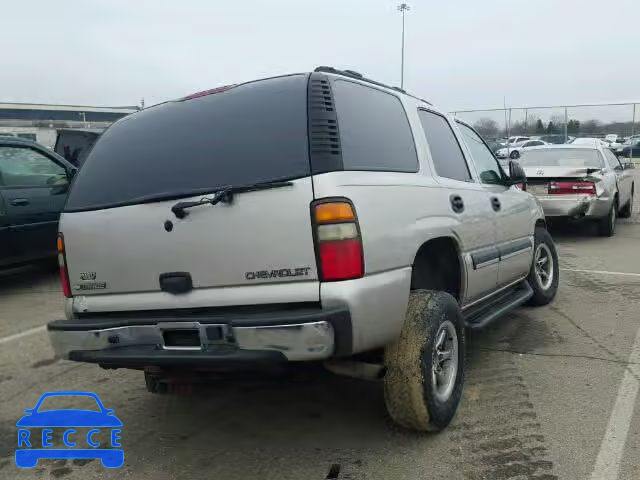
569,230
294,426
267,427
39,276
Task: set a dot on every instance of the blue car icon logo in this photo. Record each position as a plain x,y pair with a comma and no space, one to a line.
34,444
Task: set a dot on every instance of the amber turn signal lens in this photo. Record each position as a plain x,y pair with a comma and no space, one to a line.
334,212
60,245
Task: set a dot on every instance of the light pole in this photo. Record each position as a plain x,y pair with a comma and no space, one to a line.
402,8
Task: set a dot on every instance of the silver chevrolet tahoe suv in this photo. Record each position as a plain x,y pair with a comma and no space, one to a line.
314,217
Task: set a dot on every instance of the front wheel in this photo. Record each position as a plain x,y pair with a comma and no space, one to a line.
425,365
544,274
515,154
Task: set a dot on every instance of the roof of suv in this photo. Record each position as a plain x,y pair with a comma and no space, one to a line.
358,76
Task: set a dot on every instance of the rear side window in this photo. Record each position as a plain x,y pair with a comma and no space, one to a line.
446,153
612,160
250,133
374,130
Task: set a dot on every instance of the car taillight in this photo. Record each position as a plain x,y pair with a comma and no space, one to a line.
521,186
338,242
571,187
62,264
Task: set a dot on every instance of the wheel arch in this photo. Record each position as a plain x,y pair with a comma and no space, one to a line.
443,256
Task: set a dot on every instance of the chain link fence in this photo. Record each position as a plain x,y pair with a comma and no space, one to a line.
616,123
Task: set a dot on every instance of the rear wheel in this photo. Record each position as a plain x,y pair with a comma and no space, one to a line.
425,365
515,154
607,225
627,210
544,274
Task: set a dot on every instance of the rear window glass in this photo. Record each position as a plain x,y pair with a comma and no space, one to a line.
75,146
250,133
564,157
374,130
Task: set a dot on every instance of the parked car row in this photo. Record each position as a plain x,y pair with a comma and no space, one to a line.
513,146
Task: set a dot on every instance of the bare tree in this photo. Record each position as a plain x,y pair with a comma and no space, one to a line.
590,127
486,127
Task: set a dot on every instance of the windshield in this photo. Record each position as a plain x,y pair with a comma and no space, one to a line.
562,157
251,133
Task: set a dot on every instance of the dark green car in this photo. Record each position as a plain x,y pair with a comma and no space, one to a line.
34,182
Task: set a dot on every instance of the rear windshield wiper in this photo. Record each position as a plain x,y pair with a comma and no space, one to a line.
224,194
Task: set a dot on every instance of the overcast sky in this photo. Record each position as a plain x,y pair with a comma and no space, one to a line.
460,54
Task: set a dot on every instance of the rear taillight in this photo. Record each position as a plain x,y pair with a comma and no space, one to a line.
572,187
338,242
521,186
62,265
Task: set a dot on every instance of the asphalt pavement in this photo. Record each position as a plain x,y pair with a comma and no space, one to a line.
550,394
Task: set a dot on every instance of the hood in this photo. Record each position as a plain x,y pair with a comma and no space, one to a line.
558,172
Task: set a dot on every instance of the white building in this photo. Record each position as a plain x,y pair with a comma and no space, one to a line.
39,122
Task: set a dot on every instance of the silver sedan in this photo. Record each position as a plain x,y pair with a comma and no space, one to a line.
580,182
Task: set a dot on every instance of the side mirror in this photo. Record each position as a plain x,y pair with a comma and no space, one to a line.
516,173
628,166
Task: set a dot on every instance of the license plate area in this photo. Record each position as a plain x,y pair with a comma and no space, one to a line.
538,188
181,338
194,335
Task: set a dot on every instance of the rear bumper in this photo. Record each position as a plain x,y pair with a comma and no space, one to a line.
240,340
575,206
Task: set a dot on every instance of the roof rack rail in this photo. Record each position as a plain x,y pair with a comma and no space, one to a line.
359,76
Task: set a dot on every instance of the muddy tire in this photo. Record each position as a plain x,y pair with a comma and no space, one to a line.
425,365
607,225
544,274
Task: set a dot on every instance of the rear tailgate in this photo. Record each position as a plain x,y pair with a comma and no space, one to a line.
251,250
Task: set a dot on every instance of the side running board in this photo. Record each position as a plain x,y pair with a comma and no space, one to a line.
481,315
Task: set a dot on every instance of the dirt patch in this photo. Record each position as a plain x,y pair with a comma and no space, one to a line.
500,436
61,472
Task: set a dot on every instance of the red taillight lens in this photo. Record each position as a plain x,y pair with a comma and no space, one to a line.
338,241
341,260
62,265
521,186
570,187
211,91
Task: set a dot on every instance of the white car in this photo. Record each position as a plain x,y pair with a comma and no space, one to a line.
513,151
598,142
613,144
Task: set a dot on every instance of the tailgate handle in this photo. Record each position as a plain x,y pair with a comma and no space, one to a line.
176,282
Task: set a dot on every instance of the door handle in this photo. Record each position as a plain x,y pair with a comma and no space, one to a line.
20,202
457,205
495,203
